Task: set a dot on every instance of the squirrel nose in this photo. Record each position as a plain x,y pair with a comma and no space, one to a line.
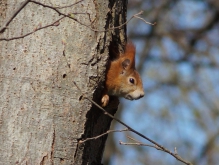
141,95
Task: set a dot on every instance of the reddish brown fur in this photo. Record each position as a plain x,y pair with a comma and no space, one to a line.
113,79
117,76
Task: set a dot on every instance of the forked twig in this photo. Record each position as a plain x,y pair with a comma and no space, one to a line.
107,132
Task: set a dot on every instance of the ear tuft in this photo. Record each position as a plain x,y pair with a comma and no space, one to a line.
126,63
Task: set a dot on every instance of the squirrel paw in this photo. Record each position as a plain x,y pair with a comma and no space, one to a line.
105,100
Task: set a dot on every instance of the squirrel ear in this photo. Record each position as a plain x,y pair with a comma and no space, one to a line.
126,63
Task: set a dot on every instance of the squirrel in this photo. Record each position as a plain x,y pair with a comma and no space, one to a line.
122,79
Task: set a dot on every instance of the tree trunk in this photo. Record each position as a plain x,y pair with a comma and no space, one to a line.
42,114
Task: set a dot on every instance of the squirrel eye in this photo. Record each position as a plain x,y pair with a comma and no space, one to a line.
131,80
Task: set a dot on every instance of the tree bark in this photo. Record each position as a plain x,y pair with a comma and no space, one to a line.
42,114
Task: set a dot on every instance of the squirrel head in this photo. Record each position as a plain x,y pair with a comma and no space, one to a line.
122,79
131,84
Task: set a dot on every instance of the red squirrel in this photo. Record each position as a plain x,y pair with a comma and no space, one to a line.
122,79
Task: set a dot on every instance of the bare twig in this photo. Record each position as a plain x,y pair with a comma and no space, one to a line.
53,24
131,129
136,16
71,16
133,139
88,26
107,132
175,151
56,23
61,7
23,4
60,13
140,144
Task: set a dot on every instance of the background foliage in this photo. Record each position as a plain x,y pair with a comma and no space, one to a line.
179,63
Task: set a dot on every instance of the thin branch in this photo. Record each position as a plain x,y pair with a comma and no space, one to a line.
140,144
23,4
136,16
61,7
131,129
56,23
64,15
107,132
88,26
133,139
60,13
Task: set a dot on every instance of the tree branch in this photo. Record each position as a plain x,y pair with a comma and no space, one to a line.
56,23
133,130
23,4
88,26
61,7
70,15
107,132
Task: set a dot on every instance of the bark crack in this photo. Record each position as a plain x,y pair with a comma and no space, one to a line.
53,146
44,159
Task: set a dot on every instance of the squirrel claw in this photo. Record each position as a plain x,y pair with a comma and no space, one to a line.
105,100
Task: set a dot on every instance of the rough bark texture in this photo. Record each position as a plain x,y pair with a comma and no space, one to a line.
42,114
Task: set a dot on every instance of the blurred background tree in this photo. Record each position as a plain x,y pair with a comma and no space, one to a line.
178,60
